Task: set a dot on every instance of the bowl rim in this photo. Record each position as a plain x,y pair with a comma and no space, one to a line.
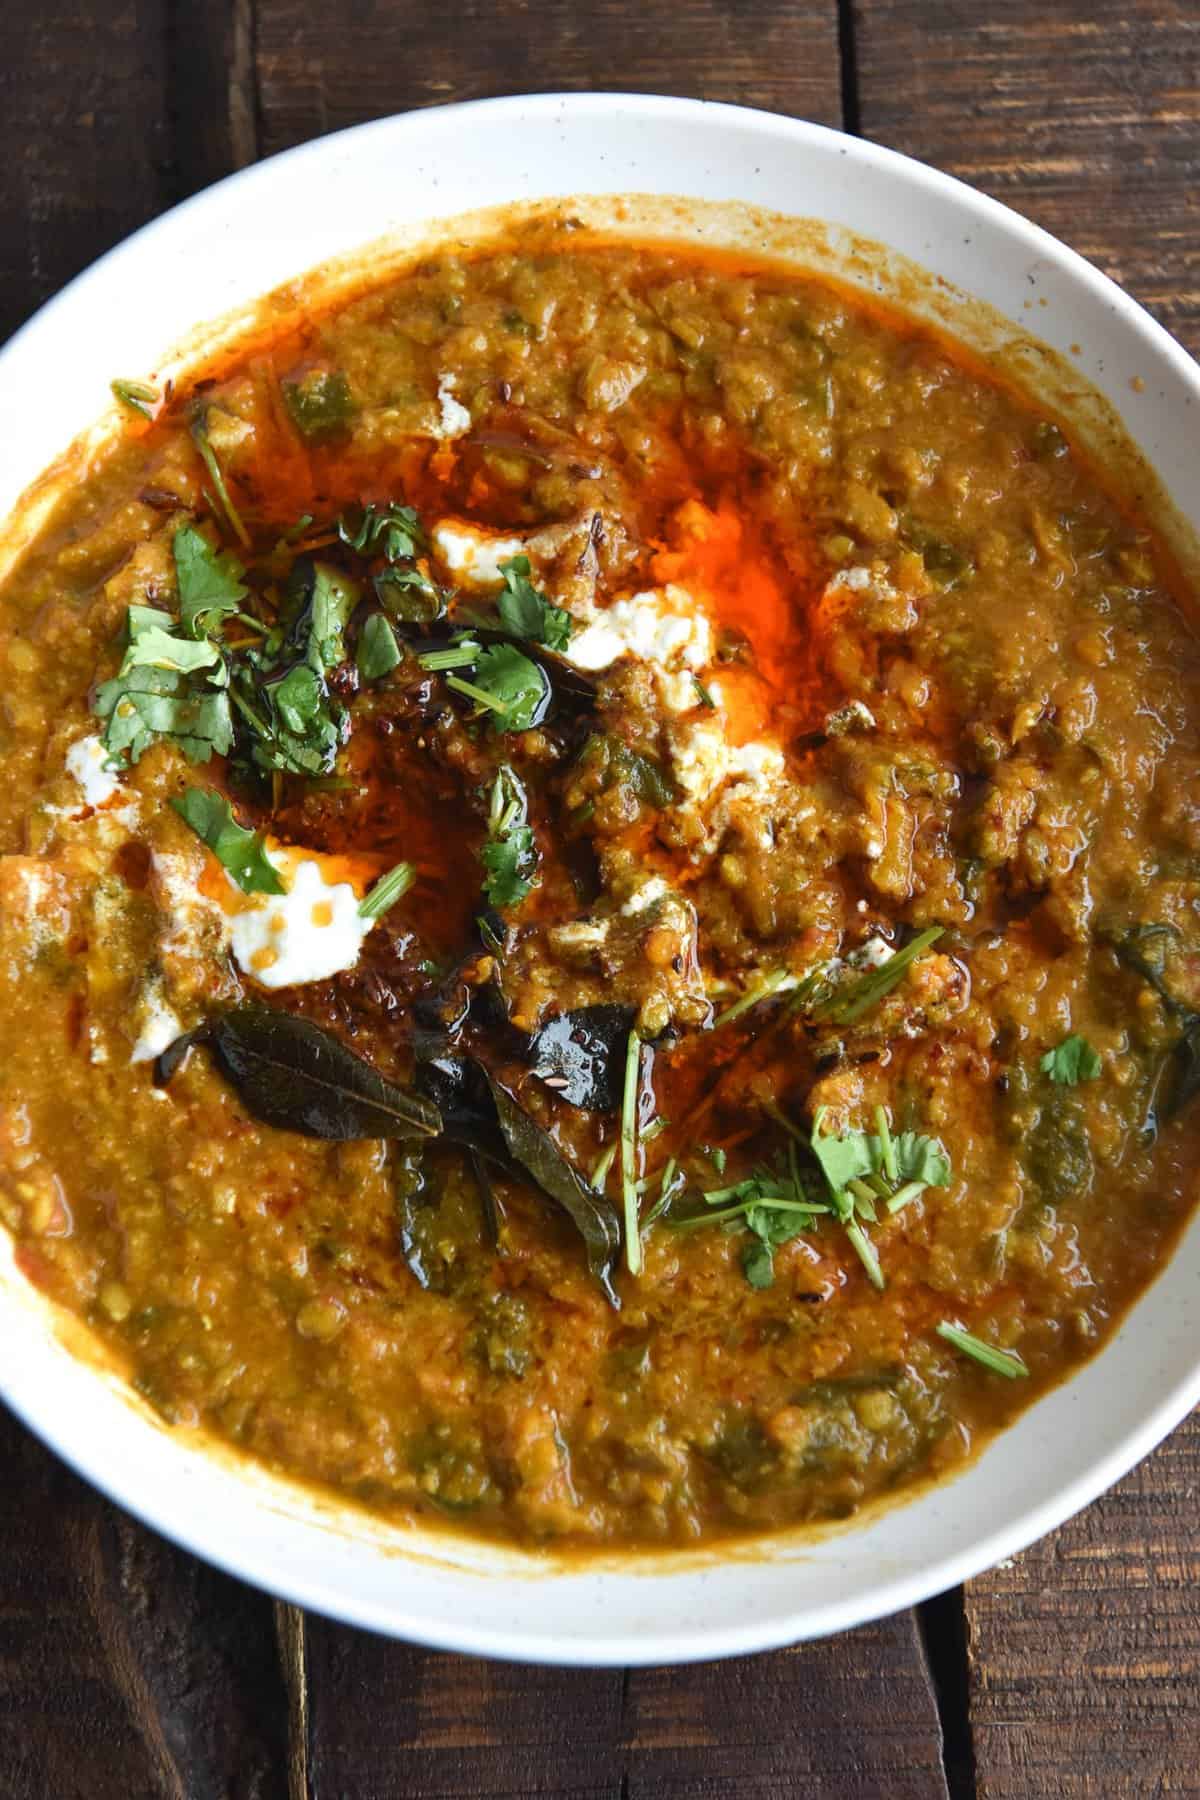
311,1590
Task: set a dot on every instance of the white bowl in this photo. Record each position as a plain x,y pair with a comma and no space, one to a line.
213,257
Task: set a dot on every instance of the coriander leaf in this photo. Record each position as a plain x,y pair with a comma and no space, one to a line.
921,1159
149,703
320,404
1071,1062
510,855
378,651
152,647
515,688
758,1264
526,613
410,596
334,597
842,1159
298,699
506,862
393,532
239,851
210,582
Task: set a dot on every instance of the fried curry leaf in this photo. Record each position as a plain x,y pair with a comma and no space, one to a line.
241,852
1071,1062
291,1074
595,1222
320,404
210,582
580,1055
526,613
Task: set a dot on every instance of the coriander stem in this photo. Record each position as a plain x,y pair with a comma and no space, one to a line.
478,694
604,1163
887,1148
903,1195
780,982
629,1110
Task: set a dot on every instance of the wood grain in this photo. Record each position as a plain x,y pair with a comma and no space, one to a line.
128,1670
1082,116
1085,1652
323,67
850,1719
84,138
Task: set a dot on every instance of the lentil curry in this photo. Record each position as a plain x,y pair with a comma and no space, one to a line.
600,898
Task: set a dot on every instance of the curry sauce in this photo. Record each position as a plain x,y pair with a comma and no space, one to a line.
601,852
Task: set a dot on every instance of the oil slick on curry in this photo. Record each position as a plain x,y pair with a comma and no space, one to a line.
600,883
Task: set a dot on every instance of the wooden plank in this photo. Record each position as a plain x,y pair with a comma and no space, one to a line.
315,74
128,1670
1085,1655
1082,115
84,140
1085,1652
848,1719
851,1718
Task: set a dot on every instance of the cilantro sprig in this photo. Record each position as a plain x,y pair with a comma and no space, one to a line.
1071,1062
865,1172
169,686
999,1362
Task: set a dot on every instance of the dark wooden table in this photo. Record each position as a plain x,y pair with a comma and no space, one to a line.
129,1671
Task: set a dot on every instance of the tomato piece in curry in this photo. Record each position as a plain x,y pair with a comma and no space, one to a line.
600,869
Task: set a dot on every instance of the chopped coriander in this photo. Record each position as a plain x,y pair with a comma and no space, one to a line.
378,652
887,1150
210,582
240,851
387,890
1000,1362
778,982
138,396
510,855
393,532
167,686
703,695
851,1001
1071,1062
604,1163
629,1111
489,702
526,613
320,404
456,656
516,689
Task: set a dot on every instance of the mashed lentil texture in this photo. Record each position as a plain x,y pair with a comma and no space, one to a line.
599,902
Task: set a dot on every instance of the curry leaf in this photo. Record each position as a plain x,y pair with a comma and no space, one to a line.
291,1074
592,1217
239,851
580,1055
